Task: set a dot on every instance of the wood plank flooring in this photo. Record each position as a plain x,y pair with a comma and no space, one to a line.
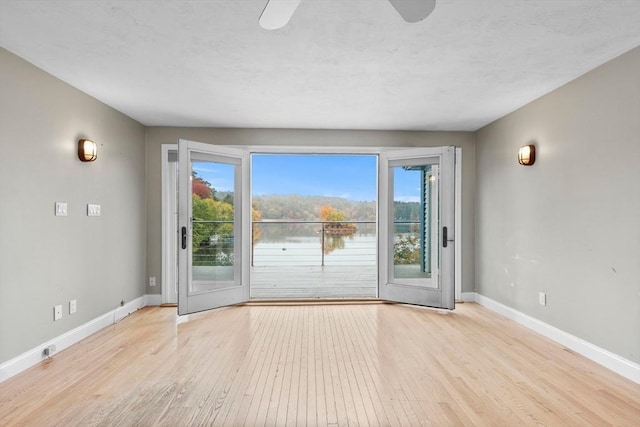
325,365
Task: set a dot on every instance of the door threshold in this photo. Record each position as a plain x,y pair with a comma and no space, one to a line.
314,301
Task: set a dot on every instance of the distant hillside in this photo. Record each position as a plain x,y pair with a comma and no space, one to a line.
297,207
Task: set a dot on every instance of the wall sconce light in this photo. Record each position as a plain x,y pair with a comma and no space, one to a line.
527,155
87,150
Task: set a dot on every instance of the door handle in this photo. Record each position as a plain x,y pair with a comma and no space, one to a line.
184,237
445,237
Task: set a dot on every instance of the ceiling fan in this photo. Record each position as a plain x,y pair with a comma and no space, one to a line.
277,13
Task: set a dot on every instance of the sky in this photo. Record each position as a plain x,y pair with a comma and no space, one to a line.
347,176
352,177
219,175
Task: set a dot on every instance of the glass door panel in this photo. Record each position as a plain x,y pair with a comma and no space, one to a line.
415,224
213,218
212,253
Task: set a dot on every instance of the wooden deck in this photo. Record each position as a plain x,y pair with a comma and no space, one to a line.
314,282
318,365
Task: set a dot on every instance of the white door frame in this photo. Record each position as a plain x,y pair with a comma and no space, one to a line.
169,275
458,226
168,267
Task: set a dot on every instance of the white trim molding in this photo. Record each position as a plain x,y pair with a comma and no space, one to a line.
468,297
609,360
153,300
457,277
36,355
169,223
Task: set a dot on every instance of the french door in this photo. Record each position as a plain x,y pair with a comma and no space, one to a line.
213,242
416,227
416,246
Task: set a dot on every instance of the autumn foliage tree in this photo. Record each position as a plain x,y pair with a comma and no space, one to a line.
334,219
327,213
201,188
334,229
213,224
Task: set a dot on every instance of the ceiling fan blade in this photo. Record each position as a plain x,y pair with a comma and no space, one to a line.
277,13
413,10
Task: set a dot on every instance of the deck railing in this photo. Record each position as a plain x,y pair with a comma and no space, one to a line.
292,243
285,242
213,243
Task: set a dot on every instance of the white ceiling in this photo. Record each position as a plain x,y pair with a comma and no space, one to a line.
338,64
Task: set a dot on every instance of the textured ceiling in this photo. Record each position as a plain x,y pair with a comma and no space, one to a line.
350,64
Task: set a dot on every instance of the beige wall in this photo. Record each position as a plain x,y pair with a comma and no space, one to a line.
47,260
156,136
568,226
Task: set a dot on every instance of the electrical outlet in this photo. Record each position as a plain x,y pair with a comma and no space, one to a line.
152,280
73,306
542,298
93,210
49,350
57,312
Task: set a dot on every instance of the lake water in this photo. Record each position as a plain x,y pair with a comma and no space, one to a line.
359,249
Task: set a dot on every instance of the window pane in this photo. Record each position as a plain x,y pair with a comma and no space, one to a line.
414,223
213,215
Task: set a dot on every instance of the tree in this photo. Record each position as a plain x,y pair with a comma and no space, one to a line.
201,188
334,218
327,213
256,215
407,250
212,231
334,230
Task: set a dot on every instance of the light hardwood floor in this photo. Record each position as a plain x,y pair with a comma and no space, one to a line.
327,365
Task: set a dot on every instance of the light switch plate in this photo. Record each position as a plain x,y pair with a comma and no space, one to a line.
73,306
61,209
93,210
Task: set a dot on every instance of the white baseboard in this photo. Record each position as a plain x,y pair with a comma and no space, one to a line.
612,361
468,297
153,299
35,355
